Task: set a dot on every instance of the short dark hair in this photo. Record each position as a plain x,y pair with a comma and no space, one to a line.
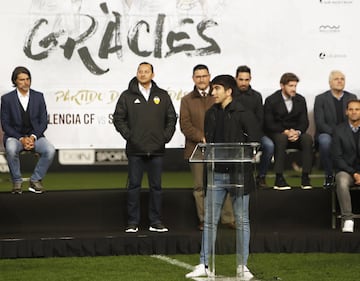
199,67
18,70
243,68
151,66
225,80
350,101
288,77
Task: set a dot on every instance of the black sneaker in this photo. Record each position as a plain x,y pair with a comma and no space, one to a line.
305,182
131,228
281,184
159,227
328,182
261,182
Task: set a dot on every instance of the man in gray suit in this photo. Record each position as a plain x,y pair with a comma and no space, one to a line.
346,156
329,111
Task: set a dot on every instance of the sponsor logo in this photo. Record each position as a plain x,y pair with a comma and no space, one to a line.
327,28
324,55
337,2
77,157
111,157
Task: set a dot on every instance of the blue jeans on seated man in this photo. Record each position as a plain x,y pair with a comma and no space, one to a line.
241,211
46,150
267,152
324,141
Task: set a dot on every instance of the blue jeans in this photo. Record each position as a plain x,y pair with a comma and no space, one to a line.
241,211
267,152
324,141
13,147
137,166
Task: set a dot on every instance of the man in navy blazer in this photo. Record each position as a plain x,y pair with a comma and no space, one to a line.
24,121
346,159
286,121
329,111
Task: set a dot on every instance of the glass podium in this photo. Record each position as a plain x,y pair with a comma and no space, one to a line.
227,166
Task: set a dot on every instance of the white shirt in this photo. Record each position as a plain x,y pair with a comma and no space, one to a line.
145,92
205,92
24,99
288,103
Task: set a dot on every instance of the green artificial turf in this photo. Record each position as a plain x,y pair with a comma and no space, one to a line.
266,267
98,180
110,180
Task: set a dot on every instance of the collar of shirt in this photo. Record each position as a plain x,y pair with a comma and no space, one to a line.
288,102
205,92
145,92
24,99
338,98
354,129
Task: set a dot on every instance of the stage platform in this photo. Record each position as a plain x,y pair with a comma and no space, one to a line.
92,223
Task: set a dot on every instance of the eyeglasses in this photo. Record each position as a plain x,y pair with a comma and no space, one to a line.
201,77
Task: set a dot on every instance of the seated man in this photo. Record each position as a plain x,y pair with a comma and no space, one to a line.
252,100
346,160
286,122
329,111
24,121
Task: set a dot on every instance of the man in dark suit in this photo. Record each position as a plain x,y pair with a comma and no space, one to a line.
329,111
24,121
346,159
286,122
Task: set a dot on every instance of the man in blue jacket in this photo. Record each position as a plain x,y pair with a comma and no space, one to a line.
329,111
146,118
24,121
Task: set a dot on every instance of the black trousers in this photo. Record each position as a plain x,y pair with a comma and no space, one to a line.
304,143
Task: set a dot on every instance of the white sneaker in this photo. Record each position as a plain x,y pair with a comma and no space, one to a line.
199,271
348,226
244,273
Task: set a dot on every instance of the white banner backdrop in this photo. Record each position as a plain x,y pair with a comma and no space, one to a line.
83,53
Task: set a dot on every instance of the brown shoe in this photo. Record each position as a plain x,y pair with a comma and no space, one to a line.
36,187
230,225
17,188
201,226
261,182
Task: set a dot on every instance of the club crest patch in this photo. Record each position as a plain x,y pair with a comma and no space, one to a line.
156,100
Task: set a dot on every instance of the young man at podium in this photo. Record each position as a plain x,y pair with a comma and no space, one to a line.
227,121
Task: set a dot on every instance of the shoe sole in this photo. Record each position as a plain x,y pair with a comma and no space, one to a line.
132,230
16,192
158,230
35,191
282,187
306,187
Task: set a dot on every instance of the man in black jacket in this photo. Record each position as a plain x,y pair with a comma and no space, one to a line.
346,158
146,118
286,122
252,100
227,121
